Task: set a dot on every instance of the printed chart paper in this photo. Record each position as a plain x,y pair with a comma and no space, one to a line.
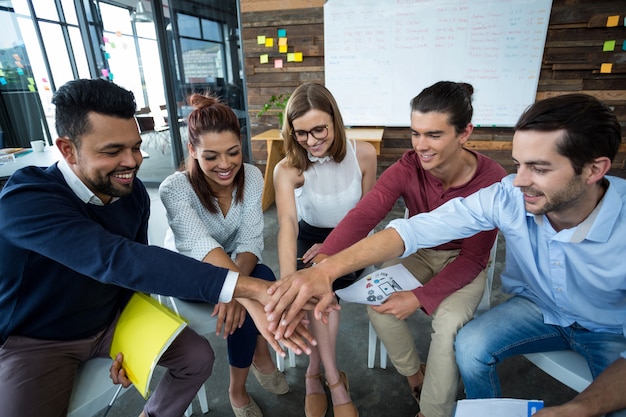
376,287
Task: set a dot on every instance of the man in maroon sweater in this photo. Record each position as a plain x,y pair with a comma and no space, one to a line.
453,275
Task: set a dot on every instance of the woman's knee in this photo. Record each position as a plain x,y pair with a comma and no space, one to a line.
264,272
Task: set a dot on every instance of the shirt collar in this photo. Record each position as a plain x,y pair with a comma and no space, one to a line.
589,227
321,160
78,187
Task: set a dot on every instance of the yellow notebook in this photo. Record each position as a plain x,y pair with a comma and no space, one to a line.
144,331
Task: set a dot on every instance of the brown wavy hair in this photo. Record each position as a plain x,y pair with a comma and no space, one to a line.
210,116
309,96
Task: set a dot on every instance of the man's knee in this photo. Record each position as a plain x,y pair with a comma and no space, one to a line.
379,319
207,355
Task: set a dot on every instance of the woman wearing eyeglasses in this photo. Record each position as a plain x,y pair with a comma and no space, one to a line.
321,178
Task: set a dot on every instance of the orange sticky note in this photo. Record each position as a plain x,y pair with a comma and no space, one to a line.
264,58
278,63
608,46
291,57
282,41
118,34
612,21
269,42
282,49
298,57
606,68
260,40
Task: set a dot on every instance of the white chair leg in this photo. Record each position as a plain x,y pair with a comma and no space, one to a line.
292,358
371,348
383,355
280,362
202,399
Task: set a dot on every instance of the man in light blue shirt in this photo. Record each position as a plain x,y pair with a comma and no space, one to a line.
564,222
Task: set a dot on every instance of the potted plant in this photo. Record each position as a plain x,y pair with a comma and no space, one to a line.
278,102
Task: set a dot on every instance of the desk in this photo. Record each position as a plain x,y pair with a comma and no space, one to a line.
276,152
46,158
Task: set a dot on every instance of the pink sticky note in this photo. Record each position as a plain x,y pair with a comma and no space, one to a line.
278,63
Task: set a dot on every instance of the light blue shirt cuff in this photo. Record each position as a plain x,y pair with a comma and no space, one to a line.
228,289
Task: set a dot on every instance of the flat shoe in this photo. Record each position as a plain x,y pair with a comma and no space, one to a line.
416,393
346,409
276,383
249,410
315,405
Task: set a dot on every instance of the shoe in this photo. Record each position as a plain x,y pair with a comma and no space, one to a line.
315,405
250,410
276,383
417,391
347,409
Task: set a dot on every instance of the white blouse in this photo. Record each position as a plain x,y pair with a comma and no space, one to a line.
197,231
330,190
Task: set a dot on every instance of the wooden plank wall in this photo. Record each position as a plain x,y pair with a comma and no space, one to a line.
572,60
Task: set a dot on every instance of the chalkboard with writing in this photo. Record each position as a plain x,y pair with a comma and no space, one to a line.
381,53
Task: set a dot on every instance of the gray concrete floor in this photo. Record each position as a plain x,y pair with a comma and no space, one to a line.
376,392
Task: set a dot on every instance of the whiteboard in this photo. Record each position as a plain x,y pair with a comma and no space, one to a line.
379,54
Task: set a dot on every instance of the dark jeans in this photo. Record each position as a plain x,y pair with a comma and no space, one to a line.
308,236
242,342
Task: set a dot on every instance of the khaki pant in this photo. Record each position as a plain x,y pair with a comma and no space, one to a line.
442,374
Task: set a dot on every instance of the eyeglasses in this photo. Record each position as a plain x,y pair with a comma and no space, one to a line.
318,132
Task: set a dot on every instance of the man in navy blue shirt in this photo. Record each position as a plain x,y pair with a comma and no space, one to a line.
73,239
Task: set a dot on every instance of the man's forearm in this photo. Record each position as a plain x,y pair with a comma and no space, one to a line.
374,249
606,392
252,288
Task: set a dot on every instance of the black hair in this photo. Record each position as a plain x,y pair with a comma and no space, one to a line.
591,129
452,98
76,99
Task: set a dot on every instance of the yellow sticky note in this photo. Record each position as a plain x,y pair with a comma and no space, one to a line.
291,57
260,40
31,88
282,41
612,21
264,58
31,80
608,46
269,42
278,63
282,49
298,56
1,73
606,68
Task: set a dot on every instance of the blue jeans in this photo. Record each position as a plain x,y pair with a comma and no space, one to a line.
516,327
